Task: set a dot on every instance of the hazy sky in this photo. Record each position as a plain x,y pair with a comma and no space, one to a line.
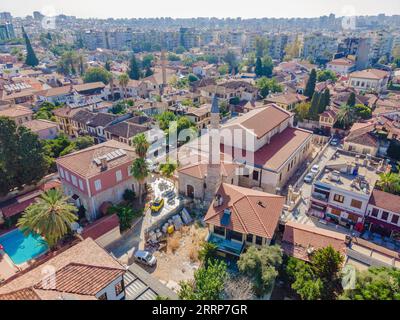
201,8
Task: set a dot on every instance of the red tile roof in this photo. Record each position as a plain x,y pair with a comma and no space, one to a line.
298,238
82,279
252,212
385,201
23,294
101,227
22,202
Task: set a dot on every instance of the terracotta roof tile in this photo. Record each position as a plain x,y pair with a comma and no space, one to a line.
23,294
82,162
100,227
385,200
297,238
253,212
82,279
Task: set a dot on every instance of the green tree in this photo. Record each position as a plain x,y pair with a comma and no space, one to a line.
310,86
267,66
141,145
223,70
192,78
259,67
107,65
22,157
327,264
327,97
51,217
231,59
97,74
346,116
261,46
31,59
167,169
207,251
302,110
173,57
147,61
208,283
140,171
314,108
261,266
319,279
375,284
324,75
362,111
165,118
134,71
351,101
83,142
267,86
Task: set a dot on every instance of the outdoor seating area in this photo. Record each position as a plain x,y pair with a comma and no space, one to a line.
380,240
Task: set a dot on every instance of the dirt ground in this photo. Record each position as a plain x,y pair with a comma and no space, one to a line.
179,260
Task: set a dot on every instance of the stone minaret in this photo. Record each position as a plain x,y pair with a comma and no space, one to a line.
163,70
213,175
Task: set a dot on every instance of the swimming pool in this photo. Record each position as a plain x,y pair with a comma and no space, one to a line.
21,248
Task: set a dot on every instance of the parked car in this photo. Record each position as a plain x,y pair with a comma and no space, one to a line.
145,257
335,142
157,205
309,178
315,168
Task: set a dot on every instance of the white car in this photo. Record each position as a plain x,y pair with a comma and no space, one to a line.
309,178
315,168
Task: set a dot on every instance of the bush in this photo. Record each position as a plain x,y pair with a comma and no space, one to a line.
173,243
126,215
129,195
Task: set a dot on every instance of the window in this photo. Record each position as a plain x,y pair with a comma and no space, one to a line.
338,198
103,296
356,204
249,238
118,175
219,230
80,184
119,288
259,240
375,212
395,219
62,173
255,175
97,185
129,171
385,215
74,180
67,176
233,235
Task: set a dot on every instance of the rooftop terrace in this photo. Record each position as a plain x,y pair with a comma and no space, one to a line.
352,172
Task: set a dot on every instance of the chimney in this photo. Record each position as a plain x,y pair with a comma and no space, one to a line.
104,164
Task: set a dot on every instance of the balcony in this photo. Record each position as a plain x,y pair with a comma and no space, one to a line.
227,246
319,196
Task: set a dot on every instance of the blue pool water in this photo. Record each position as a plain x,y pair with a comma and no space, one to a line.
21,248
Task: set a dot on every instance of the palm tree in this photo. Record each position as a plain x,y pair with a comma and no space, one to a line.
346,115
140,171
123,81
141,145
51,216
389,182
